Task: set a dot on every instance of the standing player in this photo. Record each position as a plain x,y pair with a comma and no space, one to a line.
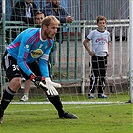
100,50
20,58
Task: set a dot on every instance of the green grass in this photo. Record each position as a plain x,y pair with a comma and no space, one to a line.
122,97
110,118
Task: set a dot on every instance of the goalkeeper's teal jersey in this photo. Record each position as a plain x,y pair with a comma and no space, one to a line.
28,47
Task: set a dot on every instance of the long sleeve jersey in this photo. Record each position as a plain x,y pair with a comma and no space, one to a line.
28,47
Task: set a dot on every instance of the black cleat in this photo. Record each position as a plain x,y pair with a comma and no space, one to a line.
68,115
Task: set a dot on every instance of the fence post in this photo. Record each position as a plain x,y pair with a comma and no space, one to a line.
83,58
113,49
131,48
2,49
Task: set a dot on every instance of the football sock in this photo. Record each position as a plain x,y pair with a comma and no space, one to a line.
55,100
7,97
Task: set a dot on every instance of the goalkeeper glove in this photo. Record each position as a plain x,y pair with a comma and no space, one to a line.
37,79
51,86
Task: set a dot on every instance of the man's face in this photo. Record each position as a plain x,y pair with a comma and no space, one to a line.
51,30
55,3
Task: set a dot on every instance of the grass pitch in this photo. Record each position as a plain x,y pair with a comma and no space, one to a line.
109,118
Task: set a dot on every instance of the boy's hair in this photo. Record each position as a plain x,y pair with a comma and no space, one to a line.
49,19
100,17
38,12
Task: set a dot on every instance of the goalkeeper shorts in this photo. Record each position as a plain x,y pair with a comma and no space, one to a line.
13,70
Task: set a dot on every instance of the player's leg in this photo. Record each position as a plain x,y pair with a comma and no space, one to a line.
93,77
102,75
93,82
34,67
14,76
55,100
25,97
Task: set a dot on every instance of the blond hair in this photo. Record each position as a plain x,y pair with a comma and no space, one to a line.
50,19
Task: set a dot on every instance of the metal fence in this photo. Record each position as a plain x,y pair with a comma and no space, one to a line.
72,60
85,9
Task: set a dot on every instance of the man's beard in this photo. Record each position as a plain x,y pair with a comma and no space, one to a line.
55,6
49,36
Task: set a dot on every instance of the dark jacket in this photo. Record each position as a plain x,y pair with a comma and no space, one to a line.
60,15
0,16
19,12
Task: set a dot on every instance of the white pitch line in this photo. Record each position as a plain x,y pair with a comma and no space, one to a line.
118,102
78,107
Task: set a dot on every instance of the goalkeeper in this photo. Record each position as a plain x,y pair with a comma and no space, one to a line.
20,58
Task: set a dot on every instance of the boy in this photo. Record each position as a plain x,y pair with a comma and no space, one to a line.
100,50
39,16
